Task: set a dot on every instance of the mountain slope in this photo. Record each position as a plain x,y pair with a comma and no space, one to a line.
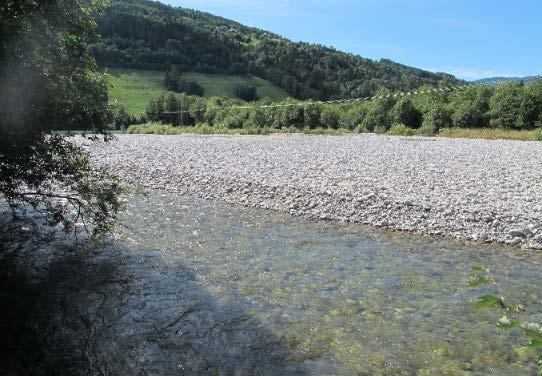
497,80
133,88
151,35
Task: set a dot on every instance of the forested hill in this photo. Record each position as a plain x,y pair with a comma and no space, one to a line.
498,80
150,35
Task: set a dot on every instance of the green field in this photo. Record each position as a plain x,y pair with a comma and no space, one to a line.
217,85
133,87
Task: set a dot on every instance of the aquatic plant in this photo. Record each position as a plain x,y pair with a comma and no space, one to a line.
532,331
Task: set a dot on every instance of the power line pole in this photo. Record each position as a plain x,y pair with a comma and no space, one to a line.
182,113
177,113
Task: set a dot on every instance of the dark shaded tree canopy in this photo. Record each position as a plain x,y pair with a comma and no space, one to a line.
49,82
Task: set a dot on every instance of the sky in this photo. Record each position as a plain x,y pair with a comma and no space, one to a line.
470,39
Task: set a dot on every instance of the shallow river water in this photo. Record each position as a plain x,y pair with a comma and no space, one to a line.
217,289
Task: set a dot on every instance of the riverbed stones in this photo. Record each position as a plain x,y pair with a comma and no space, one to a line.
489,190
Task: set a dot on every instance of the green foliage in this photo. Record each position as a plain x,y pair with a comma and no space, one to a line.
246,92
189,86
470,107
479,268
401,130
167,129
288,117
532,331
404,112
133,88
49,82
122,118
436,118
312,116
174,80
505,106
531,105
506,323
353,117
486,301
378,116
477,280
330,117
493,134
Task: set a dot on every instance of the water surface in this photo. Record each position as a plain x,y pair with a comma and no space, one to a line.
231,290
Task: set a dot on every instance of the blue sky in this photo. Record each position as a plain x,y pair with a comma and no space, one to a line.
468,38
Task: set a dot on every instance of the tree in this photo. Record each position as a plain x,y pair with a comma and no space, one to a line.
469,107
189,87
330,117
175,81
246,92
172,77
505,106
353,117
377,117
50,82
312,114
122,118
171,103
436,118
531,105
404,112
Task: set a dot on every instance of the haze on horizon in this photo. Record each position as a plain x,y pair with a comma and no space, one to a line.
470,40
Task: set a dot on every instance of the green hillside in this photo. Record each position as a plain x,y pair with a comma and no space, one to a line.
133,88
217,85
150,35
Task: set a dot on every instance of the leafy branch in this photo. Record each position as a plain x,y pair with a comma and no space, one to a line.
532,331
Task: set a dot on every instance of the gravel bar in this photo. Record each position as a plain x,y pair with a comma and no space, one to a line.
485,190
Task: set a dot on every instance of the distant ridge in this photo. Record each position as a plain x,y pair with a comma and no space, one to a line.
497,80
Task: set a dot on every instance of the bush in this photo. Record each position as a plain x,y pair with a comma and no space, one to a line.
330,117
260,118
436,119
352,118
246,92
312,116
505,106
175,81
404,112
189,87
290,116
468,116
235,119
378,118
401,130
122,118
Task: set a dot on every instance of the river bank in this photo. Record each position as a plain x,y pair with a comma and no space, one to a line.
468,189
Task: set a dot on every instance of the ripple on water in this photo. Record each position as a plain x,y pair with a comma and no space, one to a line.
334,298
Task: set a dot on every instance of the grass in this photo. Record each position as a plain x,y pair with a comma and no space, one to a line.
218,85
505,134
133,87
167,129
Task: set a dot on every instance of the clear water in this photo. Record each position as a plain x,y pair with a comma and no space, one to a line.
218,289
